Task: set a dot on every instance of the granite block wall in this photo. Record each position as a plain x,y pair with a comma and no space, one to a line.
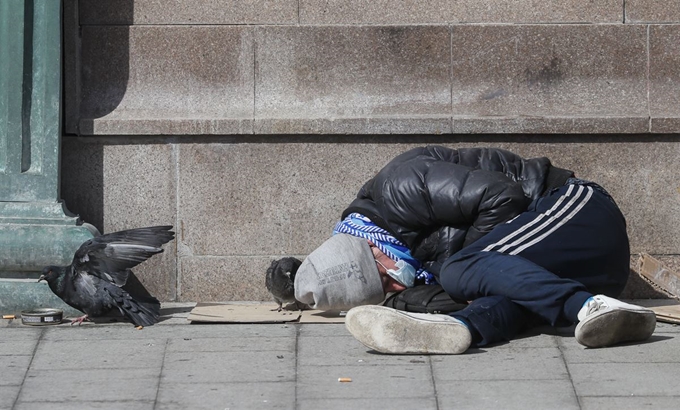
364,67
250,125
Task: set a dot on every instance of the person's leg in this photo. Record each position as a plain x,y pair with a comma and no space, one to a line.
484,274
576,232
550,258
494,319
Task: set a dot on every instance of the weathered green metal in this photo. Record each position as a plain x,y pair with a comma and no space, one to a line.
35,229
30,81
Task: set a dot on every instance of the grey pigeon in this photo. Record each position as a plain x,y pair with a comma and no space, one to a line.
280,280
93,282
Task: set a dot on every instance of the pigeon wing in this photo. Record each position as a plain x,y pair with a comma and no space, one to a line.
110,257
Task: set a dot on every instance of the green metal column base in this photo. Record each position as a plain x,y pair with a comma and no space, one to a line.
32,236
35,228
17,295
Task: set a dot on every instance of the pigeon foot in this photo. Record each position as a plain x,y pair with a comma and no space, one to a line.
80,320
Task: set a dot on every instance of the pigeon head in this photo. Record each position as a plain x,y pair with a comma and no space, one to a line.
50,273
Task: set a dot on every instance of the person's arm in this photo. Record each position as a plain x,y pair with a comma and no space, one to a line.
416,200
493,199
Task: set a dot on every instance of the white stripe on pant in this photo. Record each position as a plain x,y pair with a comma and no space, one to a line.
575,204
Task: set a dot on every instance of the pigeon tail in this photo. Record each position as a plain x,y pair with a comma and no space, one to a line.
142,311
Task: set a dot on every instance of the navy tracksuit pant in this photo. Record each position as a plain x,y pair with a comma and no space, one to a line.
543,265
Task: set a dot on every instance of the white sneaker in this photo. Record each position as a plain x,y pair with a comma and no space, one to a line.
388,330
604,321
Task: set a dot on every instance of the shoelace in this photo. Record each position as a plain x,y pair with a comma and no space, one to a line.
594,305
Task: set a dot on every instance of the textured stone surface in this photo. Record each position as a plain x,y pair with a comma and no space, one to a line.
206,279
549,70
188,12
652,11
129,125
116,187
249,395
635,379
458,11
664,77
638,173
133,385
431,124
665,125
242,204
364,79
148,73
400,381
358,12
288,366
265,199
343,71
228,367
530,364
550,125
488,394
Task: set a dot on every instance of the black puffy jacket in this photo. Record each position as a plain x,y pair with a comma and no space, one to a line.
438,200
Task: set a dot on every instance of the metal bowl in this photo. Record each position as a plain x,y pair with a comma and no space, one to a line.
42,317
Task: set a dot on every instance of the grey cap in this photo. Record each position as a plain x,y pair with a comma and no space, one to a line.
339,275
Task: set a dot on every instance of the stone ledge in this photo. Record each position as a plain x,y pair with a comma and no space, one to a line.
162,12
426,125
227,80
166,126
665,125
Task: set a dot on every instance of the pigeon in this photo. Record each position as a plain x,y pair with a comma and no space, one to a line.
93,282
280,279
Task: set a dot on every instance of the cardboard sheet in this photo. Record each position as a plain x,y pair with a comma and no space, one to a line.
661,278
667,313
258,313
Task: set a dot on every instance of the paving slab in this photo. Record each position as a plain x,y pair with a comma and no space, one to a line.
177,365
14,369
629,403
313,351
226,367
86,384
8,395
507,394
106,354
625,379
228,395
17,347
530,363
368,403
85,405
412,380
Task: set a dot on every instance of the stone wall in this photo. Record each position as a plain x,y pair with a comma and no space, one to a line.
250,125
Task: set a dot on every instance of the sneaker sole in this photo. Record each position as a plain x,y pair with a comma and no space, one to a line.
386,330
616,326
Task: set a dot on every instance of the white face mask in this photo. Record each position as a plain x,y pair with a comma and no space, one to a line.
405,274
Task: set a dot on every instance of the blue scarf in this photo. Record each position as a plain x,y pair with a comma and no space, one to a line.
357,224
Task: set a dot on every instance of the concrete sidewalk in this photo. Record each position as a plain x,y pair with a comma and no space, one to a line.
177,365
